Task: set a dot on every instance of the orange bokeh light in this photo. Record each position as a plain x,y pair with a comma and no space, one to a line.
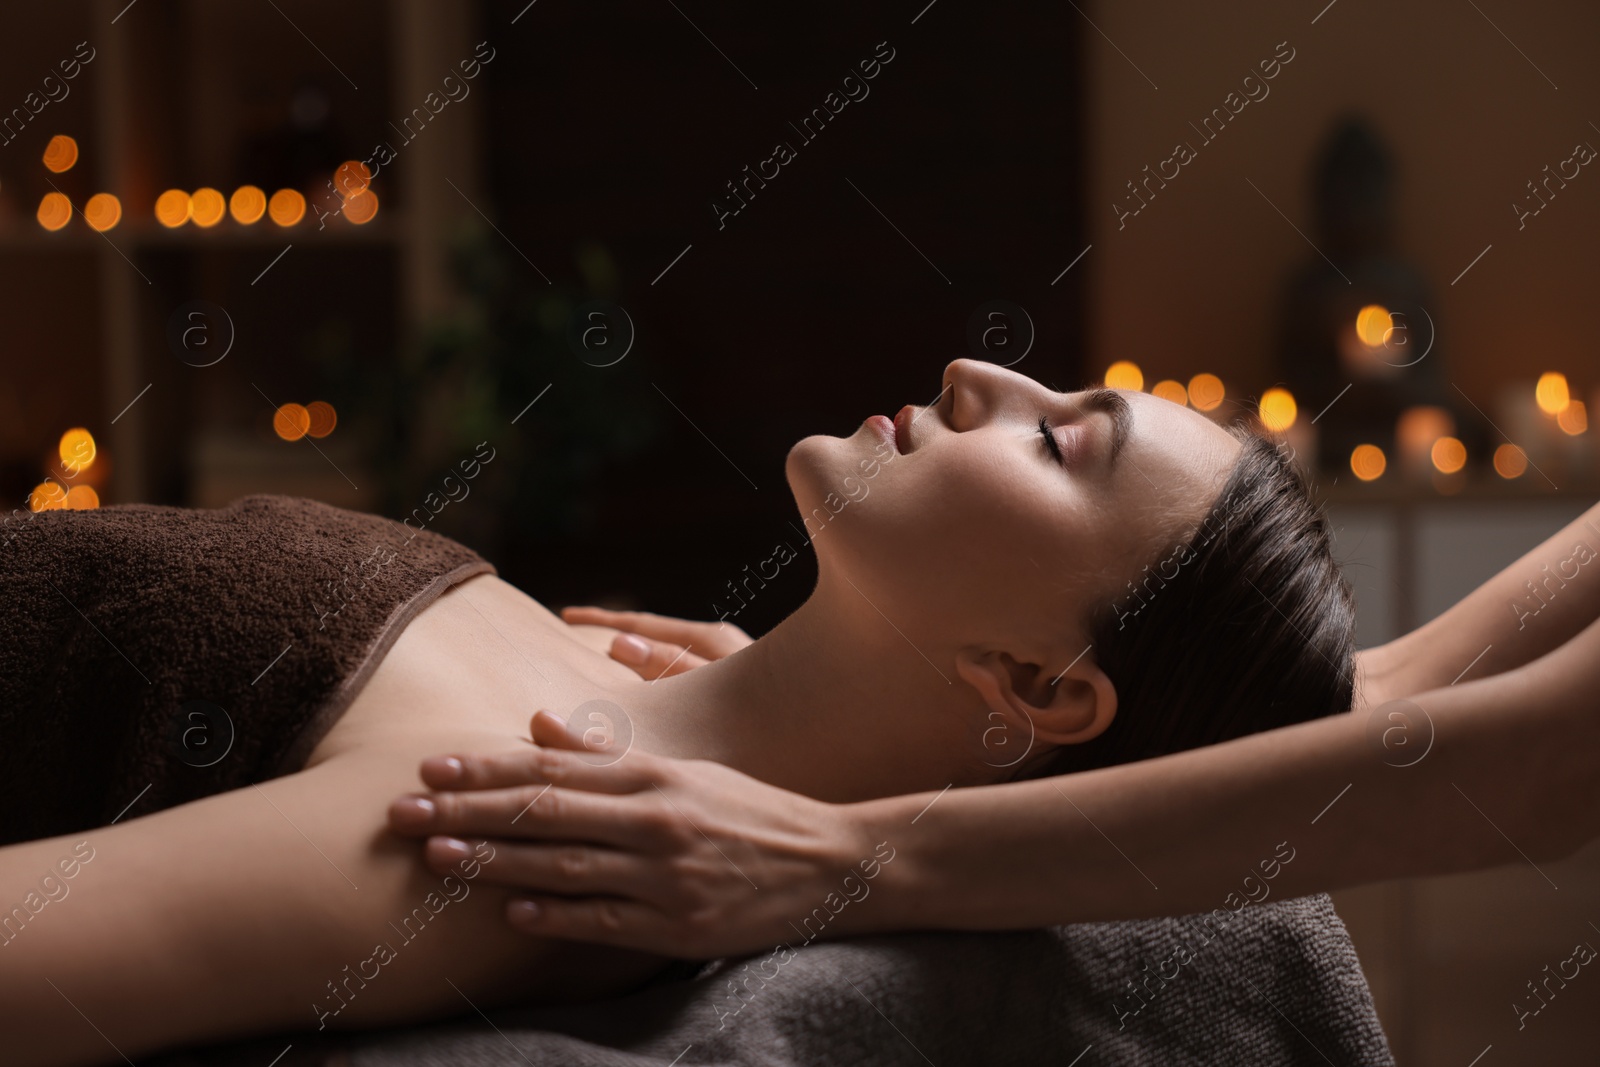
286,207
103,211
1449,455
322,418
55,211
47,496
82,498
1510,461
351,179
60,154
1206,391
76,449
247,204
361,208
1574,418
207,207
1368,462
291,421
173,208
1171,390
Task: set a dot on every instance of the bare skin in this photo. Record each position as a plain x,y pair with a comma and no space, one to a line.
1515,737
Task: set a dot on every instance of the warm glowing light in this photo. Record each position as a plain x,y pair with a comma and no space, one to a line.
60,154
1449,455
103,211
1171,390
82,498
291,421
1368,462
77,450
1277,409
47,496
1205,391
1574,418
172,208
1373,325
1551,393
322,418
1124,374
286,207
362,208
351,179
207,207
247,204
1419,427
1510,461
55,211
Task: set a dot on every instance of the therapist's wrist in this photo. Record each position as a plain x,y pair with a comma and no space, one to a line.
885,852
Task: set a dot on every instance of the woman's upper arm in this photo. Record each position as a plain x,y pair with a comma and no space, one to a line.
279,906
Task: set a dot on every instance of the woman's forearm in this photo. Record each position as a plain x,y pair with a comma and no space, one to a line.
1529,608
1510,777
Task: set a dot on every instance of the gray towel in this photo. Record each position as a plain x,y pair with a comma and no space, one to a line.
1280,984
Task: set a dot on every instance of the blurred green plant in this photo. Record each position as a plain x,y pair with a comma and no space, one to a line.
471,372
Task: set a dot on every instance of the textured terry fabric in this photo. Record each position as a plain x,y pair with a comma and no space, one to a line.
1280,986
274,609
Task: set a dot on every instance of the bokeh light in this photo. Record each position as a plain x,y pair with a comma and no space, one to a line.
1277,409
103,211
82,498
1373,324
1449,455
1124,374
322,418
1551,393
47,496
77,450
55,211
362,209
291,421
1574,418
351,179
1419,427
247,204
286,207
1510,461
172,208
1170,390
207,207
1205,391
1368,462
60,154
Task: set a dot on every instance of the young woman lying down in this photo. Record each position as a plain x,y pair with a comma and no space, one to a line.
1038,582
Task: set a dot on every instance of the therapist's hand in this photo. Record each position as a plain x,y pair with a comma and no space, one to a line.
685,858
657,646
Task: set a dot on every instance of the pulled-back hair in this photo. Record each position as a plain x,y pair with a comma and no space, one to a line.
1244,625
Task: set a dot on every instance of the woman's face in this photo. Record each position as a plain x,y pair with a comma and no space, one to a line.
962,524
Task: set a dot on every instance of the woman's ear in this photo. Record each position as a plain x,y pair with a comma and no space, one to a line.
1067,707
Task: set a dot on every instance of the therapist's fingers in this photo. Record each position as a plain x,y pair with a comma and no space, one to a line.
652,659
540,812
578,768
598,920
553,868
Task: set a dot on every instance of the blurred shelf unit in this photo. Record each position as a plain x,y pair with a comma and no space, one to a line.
204,94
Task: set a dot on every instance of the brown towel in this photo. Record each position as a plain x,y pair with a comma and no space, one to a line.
154,655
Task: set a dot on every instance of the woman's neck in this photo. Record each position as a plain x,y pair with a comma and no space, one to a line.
837,702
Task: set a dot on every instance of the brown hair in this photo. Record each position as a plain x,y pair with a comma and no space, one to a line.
1245,625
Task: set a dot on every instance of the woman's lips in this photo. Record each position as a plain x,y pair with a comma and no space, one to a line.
886,427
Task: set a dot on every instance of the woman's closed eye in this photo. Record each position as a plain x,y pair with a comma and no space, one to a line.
1048,431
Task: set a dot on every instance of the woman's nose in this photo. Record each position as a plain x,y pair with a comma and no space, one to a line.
977,388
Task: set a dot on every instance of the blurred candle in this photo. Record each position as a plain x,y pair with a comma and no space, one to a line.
1414,436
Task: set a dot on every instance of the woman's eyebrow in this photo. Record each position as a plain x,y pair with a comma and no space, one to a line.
1112,403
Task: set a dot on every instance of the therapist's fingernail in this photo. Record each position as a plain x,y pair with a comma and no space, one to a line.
627,648
449,849
522,912
412,811
443,769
